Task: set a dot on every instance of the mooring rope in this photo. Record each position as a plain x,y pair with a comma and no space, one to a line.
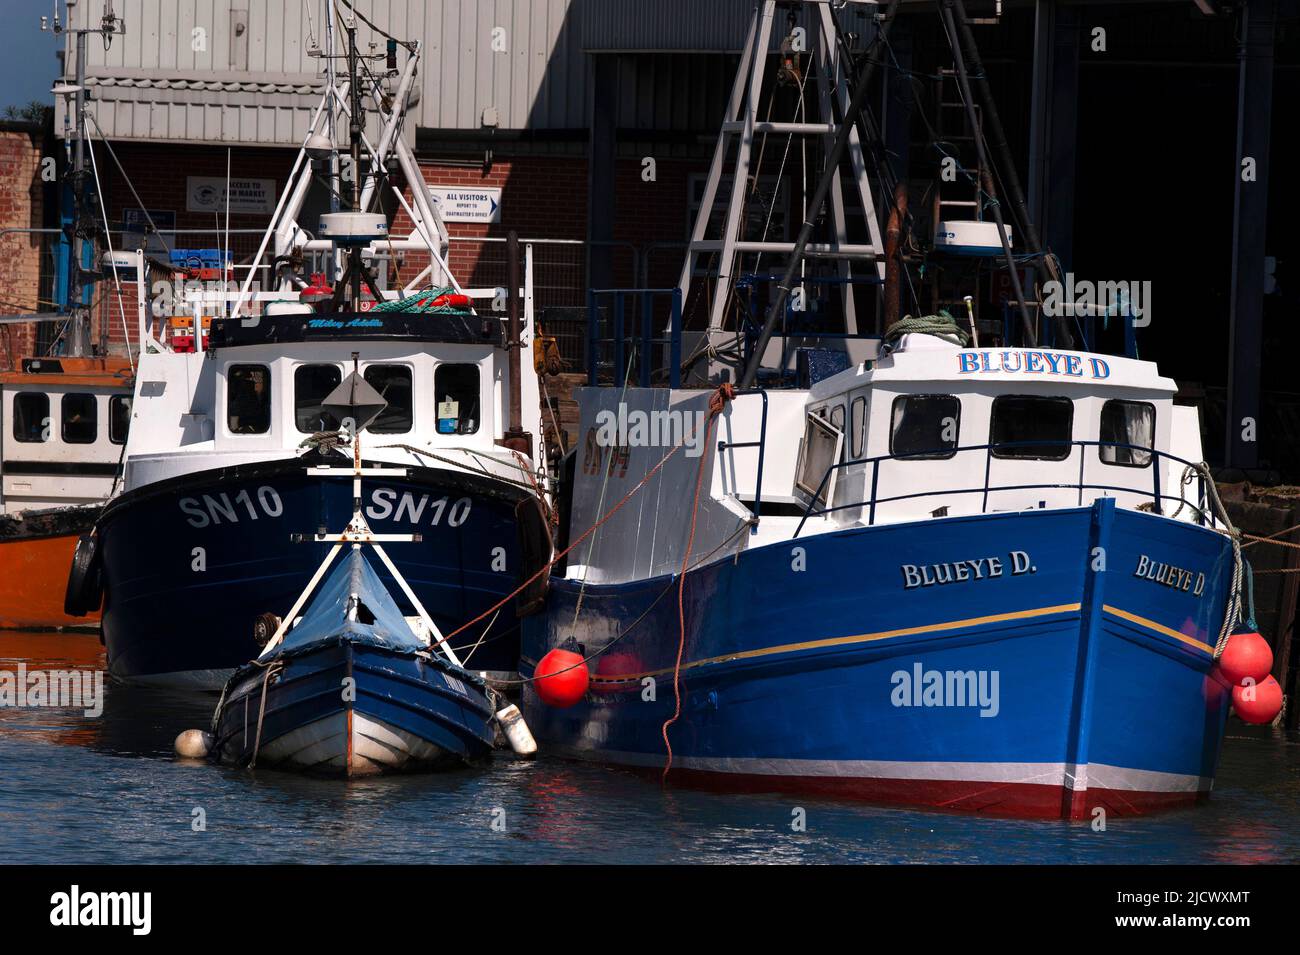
700,562
1232,613
717,401
584,535
261,710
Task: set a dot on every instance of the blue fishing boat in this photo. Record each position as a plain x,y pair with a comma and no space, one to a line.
903,568
1025,627
351,685
352,690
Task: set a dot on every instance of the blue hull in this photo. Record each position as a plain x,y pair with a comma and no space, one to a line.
190,564
406,712
883,671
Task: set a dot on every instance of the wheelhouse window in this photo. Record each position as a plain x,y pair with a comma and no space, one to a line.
837,416
456,391
819,451
393,382
80,419
1127,423
119,418
31,417
1032,428
925,426
248,399
312,384
858,425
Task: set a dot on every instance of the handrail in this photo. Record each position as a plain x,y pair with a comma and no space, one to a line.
761,444
646,337
1158,496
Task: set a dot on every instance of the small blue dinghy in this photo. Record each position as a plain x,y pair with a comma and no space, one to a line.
351,690
348,686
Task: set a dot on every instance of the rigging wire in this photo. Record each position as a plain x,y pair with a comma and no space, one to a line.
153,226
117,281
408,44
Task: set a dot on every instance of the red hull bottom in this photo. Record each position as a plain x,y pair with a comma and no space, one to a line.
1012,800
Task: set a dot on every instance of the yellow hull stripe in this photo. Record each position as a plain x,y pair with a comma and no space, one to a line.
847,641
1157,627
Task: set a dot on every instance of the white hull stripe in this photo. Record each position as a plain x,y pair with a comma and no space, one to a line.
1067,775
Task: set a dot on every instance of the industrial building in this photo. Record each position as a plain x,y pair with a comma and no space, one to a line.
1145,134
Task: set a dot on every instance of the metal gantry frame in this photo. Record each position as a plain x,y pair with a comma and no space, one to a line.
831,77
430,233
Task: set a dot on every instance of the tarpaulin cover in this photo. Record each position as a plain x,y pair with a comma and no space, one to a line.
327,615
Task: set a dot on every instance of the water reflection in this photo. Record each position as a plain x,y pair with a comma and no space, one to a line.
76,789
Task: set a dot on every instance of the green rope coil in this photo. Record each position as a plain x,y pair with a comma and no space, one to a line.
943,325
419,303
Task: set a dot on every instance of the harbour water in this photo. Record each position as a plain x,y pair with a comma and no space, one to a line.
107,789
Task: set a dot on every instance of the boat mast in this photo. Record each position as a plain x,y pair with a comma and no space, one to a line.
79,257
354,132
327,6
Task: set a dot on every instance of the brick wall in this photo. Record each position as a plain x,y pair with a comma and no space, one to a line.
159,172
542,197
21,207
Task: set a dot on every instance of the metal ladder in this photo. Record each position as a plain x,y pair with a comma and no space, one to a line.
741,120
972,208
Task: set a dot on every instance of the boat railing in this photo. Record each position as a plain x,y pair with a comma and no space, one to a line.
761,444
871,503
642,343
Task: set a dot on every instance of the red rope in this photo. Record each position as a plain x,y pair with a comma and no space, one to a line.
585,534
717,401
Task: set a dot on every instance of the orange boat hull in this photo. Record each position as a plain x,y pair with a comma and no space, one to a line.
33,580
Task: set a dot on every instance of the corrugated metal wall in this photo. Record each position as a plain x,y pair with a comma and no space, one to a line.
186,71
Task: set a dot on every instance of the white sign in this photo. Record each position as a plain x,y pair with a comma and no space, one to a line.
208,194
456,204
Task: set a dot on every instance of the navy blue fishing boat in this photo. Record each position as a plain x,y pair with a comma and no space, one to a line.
225,461
352,690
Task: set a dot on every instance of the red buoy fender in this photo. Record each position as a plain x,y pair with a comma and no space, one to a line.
1258,703
1247,655
561,678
